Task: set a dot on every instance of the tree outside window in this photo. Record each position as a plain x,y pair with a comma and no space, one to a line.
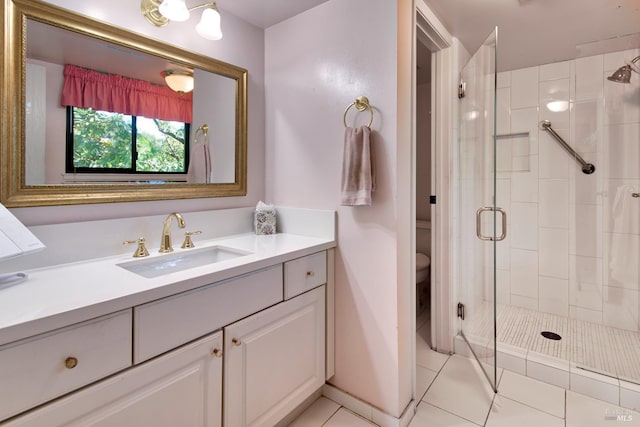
102,141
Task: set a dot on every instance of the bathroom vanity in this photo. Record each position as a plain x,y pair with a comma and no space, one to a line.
241,341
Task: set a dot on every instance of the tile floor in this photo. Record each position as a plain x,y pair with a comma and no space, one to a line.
455,393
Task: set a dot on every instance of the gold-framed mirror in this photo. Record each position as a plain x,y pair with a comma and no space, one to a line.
31,175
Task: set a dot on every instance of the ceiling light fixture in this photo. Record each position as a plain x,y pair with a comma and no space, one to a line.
161,12
178,81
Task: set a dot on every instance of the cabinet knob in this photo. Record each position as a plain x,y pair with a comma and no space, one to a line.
309,273
70,362
236,341
217,352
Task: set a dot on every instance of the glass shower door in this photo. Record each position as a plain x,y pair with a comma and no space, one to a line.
482,222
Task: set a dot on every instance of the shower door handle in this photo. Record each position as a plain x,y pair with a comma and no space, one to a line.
479,224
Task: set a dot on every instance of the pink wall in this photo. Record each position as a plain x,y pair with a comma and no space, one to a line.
243,45
317,63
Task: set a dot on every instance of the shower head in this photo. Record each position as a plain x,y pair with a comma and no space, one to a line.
623,74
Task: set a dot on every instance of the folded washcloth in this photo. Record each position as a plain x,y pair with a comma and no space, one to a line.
358,179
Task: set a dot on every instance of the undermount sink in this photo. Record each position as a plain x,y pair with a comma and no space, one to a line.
183,260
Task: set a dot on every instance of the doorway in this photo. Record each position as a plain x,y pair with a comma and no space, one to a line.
432,94
423,178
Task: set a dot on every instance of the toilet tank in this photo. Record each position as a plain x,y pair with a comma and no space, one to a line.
423,237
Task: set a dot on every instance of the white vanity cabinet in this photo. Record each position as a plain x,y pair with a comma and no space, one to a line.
161,363
181,388
274,360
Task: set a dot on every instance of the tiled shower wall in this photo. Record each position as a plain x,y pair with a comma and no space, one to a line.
573,240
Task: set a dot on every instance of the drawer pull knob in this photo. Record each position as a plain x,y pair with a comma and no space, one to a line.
309,273
236,341
71,362
217,352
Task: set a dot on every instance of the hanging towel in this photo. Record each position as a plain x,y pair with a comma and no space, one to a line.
358,178
200,163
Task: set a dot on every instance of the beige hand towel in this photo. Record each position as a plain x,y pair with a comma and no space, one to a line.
199,163
358,178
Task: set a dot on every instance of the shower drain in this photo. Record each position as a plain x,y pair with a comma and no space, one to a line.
551,335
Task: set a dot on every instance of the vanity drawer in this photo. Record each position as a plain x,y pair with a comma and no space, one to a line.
303,274
165,324
35,370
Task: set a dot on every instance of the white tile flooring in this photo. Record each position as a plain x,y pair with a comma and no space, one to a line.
455,393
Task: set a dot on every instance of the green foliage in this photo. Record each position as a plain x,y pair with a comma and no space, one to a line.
160,146
104,140
101,139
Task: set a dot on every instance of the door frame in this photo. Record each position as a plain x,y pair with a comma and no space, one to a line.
430,31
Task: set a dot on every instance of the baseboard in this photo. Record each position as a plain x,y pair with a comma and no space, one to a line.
368,411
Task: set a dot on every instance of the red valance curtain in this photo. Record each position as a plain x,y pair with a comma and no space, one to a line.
86,88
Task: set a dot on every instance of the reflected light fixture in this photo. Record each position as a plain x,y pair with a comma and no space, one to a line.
623,74
178,81
558,106
161,12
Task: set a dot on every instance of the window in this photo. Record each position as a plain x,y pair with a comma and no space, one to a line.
106,142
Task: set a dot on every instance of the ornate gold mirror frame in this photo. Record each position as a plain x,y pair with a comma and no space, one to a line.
14,192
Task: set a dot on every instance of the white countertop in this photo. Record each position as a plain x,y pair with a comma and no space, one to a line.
57,296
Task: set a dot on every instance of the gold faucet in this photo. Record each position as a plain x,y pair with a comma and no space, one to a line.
165,240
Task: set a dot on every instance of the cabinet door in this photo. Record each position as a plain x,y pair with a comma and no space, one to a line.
274,360
182,388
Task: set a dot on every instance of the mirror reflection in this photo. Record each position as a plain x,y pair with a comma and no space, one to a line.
93,113
101,113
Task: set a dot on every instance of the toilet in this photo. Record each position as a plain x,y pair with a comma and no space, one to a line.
423,250
423,262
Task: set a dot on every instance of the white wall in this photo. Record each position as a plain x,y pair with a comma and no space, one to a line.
242,45
35,117
574,241
209,110
53,163
317,63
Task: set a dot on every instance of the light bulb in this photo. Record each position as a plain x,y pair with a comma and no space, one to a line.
209,25
175,10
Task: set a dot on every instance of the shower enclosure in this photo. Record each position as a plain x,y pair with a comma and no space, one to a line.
478,208
561,291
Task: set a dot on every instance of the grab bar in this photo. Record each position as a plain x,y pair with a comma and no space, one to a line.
587,168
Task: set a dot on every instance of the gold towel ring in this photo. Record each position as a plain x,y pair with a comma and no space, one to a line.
361,103
204,129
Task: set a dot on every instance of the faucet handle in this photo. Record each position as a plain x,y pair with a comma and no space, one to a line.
188,243
141,251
